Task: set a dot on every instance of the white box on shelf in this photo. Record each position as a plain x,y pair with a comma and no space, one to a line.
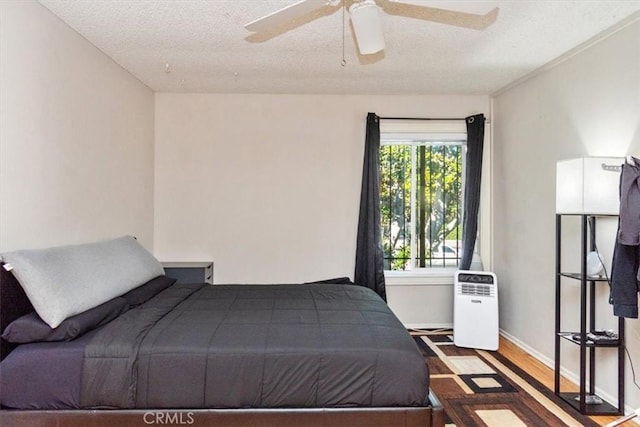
588,185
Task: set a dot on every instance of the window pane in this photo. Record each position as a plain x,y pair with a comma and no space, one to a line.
439,205
435,170
395,205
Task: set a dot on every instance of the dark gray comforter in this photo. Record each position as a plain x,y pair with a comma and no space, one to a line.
255,346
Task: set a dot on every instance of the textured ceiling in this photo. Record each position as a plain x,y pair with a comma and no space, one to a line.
208,49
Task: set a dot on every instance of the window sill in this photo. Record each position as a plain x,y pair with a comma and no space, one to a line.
432,276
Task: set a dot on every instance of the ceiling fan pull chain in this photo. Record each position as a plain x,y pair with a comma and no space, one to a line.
344,61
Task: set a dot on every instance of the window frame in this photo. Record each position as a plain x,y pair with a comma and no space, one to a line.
398,132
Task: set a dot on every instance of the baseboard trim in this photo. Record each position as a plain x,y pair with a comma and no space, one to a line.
536,354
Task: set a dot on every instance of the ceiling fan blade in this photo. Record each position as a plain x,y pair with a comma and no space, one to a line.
286,15
474,7
465,14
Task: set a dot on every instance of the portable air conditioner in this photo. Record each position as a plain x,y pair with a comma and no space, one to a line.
475,310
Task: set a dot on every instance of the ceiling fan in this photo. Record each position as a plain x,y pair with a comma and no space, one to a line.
365,18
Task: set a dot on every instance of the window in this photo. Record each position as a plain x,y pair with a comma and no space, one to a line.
421,189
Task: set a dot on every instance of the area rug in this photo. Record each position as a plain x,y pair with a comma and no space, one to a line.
482,388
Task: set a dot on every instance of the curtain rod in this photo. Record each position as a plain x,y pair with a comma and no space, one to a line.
420,118
424,118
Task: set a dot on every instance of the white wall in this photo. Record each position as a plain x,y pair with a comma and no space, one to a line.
267,186
586,105
76,137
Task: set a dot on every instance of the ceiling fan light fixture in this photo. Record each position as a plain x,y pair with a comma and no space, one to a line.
367,27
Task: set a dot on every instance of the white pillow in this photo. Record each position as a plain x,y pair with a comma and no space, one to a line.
66,280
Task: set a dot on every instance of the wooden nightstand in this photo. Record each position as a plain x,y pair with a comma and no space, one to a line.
190,272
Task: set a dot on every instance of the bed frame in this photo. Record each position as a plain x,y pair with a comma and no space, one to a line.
14,303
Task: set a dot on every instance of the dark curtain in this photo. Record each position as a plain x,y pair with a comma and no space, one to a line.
473,174
369,270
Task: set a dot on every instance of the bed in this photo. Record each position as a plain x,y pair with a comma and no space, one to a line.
305,354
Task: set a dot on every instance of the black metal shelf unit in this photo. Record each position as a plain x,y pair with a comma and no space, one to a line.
587,325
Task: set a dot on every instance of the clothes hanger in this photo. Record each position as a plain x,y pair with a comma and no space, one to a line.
631,161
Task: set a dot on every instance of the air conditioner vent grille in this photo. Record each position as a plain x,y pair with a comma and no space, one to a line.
471,289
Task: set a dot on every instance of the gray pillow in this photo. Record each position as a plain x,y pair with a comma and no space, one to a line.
67,280
143,293
335,280
30,328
